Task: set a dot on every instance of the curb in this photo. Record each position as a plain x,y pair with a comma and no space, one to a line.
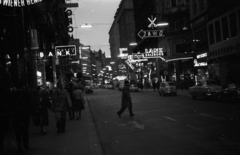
93,140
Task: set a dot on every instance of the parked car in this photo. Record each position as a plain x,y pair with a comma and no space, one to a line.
230,94
204,88
134,88
168,87
109,86
120,88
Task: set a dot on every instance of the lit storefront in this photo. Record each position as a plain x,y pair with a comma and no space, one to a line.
201,67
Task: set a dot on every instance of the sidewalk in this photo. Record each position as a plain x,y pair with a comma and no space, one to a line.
80,138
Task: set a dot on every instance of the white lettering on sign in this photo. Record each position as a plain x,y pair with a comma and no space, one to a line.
202,55
42,55
129,64
153,52
199,64
18,3
69,50
152,22
121,66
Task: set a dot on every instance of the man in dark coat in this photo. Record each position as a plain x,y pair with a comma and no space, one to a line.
21,109
126,100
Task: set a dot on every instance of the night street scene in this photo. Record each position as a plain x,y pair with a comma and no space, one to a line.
120,77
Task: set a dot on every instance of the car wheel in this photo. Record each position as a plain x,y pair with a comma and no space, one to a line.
194,97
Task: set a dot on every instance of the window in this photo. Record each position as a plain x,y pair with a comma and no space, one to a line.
233,24
201,39
218,31
225,28
211,34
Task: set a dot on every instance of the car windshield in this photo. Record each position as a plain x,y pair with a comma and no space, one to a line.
211,82
206,83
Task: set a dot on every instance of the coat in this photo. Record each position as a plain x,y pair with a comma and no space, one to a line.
126,98
62,101
41,107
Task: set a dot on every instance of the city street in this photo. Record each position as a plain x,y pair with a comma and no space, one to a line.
165,124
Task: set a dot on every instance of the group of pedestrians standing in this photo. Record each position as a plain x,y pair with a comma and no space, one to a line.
19,105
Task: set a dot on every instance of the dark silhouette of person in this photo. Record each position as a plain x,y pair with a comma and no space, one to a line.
126,100
21,109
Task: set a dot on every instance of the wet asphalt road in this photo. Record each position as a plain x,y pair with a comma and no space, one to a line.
165,125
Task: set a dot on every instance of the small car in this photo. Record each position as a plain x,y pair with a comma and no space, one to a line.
207,88
230,94
134,88
168,87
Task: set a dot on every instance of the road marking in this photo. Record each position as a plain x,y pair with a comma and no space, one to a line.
134,123
170,118
194,127
219,118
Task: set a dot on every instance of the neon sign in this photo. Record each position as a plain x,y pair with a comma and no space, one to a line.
69,50
18,3
129,64
202,55
199,64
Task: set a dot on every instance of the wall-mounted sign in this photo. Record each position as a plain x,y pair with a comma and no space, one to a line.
129,64
199,64
154,53
203,61
152,22
68,50
202,55
150,33
18,3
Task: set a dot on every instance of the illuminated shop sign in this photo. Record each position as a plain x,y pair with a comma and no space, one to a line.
69,50
150,33
129,64
154,53
199,64
18,3
202,55
202,63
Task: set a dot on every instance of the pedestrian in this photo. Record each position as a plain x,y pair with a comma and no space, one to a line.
126,100
42,104
4,116
78,101
158,84
21,108
60,102
154,84
71,111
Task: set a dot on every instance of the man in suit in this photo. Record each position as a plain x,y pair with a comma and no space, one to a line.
60,102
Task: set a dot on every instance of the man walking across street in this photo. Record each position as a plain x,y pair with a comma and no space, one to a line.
60,102
126,100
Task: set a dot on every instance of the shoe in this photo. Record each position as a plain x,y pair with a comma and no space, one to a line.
131,115
119,114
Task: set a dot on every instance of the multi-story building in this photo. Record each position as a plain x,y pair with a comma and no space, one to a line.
122,33
199,19
223,40
27,33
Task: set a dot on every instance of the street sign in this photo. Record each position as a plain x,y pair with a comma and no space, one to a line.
150,33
